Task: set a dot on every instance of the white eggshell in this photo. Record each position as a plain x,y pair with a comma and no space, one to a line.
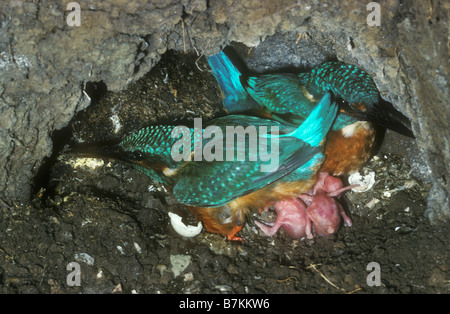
365,182
182,229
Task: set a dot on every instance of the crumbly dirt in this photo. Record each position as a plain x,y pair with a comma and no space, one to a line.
112,220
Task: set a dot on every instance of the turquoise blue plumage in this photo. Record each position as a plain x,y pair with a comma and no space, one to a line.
221,191
290,97
235,97
218,182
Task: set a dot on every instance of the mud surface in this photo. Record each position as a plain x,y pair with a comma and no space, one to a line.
112,220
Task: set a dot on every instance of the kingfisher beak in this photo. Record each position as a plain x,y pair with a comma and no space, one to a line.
389,117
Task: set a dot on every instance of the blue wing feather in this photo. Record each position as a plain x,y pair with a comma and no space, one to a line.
211,184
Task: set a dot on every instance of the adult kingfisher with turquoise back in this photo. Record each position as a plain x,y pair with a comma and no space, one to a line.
221,192
289,98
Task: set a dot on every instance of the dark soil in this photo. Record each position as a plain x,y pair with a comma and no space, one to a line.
112,220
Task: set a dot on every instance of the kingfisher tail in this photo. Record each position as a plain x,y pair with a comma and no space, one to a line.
236,99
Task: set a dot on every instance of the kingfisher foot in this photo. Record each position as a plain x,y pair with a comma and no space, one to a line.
231,235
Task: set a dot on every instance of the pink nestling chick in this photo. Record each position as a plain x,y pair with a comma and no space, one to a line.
325,213
291,217
329,184
320,216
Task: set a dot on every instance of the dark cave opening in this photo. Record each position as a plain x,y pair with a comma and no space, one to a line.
60,139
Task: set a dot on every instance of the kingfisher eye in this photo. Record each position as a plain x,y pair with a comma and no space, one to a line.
137,155
344,106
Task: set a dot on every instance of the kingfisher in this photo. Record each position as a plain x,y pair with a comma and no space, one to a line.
290,98
232,178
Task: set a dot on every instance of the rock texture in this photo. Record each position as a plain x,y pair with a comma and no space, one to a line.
46,64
